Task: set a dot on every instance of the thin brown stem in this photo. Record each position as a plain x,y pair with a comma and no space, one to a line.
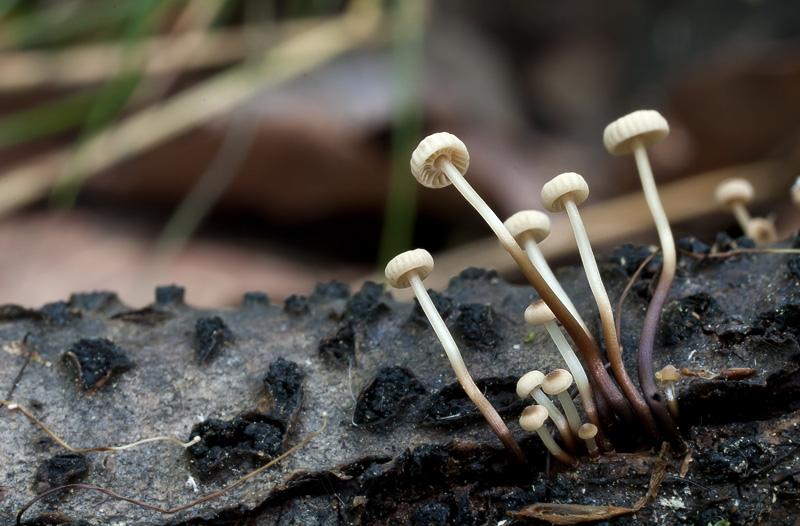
16,407
171,511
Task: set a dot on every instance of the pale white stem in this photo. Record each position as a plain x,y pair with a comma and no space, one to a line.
477,202
537,258
668,251
572,413
443,333
459,367
573,364
593,274
742,216
556,416
670,393
554,448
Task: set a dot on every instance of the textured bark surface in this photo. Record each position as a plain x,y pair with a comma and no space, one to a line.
403,445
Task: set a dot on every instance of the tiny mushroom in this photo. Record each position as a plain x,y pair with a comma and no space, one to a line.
557,383
587,432
533,419
538,313
408,270
669,376
564,193
732,195
529,228
530,385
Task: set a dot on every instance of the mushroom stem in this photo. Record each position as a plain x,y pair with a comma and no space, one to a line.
460,368
741,214
532,419
537,258
583,340
613,349
554,448
588,432
653,314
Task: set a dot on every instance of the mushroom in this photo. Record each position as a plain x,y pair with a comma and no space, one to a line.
669,376
529,228
556,383
408,270
564,193
795,190
732,195
530,385
762,231
540,314
442,159
533,419
634,133
587,432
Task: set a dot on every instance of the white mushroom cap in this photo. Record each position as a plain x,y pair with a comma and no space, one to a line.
733,191
417,261
528,382
557,382
526,223
538,313
646,125
533,417
431,151
587,431
761,230
568,185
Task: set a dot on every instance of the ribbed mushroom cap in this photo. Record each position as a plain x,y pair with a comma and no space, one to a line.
528,382
670,374
587,431
417,261
568,185
533,417
732,191
648,125
557,382
538,313
526,223
431,151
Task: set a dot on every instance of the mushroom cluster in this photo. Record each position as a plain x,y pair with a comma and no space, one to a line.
442,159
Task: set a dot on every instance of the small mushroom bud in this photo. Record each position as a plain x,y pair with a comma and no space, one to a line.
408,270
557,383
762,231
530,385
587,432
669,376
533,419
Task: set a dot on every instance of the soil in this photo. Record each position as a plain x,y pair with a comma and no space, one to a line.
402,444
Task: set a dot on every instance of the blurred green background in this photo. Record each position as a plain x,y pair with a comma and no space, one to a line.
240,145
